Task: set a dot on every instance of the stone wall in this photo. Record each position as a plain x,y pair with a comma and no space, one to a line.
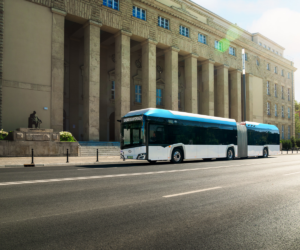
41,148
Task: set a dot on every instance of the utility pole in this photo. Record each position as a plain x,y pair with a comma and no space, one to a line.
244,84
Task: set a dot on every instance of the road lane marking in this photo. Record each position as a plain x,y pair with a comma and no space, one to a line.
107,176
293,173
113,176
191,192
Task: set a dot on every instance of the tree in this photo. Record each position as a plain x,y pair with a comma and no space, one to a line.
297,125
297,106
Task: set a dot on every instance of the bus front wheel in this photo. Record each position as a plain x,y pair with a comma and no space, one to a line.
177,156
230,154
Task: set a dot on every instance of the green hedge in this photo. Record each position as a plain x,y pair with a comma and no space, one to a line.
286,144
66,136
7,136
298,143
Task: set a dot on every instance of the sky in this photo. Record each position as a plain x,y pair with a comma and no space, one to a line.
276,19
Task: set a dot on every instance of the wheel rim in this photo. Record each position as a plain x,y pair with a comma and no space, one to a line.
230,154
177,156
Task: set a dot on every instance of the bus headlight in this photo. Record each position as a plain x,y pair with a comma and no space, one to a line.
141,156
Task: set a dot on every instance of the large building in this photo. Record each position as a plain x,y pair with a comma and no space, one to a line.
83,64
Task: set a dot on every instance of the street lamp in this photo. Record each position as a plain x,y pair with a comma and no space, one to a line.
244,83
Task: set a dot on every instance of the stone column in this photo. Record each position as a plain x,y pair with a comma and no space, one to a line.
191,98
236,95
149,74
249,97
74,87
91,85
171,79
207,94
122,76
57,69
222,92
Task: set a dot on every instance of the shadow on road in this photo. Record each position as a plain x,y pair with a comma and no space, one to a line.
146,164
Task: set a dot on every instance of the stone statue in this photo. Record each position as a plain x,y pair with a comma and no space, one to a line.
34,120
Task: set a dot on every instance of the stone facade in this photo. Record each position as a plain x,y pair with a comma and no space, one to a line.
106,62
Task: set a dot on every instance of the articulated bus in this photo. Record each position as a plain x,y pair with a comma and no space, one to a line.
166,135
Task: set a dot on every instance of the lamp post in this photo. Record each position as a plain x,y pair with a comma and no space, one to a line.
244,84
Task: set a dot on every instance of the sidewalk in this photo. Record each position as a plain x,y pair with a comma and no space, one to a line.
60,161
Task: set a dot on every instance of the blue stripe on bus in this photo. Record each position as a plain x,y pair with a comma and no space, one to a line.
263,126
161,113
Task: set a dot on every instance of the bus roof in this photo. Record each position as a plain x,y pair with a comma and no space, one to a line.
163,113
261,126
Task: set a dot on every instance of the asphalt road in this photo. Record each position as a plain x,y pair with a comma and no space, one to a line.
240,204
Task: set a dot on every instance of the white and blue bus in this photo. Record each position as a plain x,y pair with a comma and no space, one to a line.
166,135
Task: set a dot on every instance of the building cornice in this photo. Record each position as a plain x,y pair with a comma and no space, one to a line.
58,12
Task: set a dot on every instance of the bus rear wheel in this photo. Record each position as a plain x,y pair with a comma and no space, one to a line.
177,156
230,154
265,153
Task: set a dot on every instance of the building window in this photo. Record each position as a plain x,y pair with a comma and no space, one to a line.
268,88
289,98
277,52
159,97
282,92
184,31
138,94
260,44
269,48
289,113
268,66
113,88
276,114
275,90
289,132
218,45
114,4
275,69
282,72
273,50
265,46
202,38
268,108
246,56
282,111
280,54
282,132
162,22
257,62
179,100
289,75
232,51
139,13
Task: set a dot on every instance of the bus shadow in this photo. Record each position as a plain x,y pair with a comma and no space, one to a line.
160,163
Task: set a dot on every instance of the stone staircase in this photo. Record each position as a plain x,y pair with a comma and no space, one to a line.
104,148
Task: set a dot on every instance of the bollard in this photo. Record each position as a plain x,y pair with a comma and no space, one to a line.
67,155
97,156
32,161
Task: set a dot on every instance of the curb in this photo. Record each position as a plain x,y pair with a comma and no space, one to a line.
68,164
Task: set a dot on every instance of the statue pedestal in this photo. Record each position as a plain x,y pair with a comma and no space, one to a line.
36,134
44,142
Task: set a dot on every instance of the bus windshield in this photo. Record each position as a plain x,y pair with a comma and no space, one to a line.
132,134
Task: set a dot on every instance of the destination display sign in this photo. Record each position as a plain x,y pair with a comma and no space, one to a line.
133,119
